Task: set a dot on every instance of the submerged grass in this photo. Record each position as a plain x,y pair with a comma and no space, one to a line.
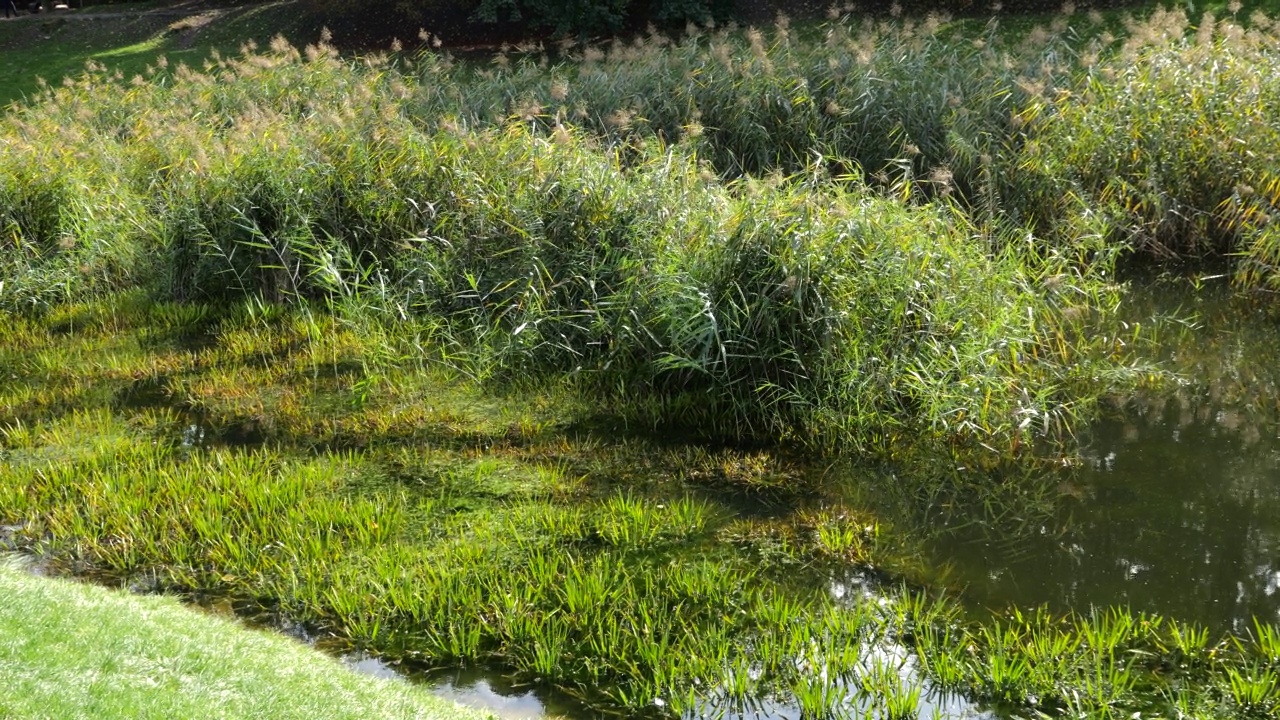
401,549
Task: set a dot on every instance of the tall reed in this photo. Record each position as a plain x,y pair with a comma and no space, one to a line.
803,308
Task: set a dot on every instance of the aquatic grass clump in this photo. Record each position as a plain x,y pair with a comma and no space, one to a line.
651,637
484,586
1166,145
599,600
632,522
138,505
1104,662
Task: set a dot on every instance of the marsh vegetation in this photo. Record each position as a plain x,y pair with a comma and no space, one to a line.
642,371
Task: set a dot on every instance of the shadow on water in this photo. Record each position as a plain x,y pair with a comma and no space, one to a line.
1175,507
194,428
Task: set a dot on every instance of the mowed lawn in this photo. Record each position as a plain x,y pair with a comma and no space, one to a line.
71,650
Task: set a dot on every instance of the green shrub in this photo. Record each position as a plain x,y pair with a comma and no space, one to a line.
595,17
490,20
562,16
68,226
898,104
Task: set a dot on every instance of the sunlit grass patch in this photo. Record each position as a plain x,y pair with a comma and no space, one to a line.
150,46
77,651
42,50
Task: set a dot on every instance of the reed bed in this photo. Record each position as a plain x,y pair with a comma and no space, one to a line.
918,104
750,236
1164,146
1019,126
799,309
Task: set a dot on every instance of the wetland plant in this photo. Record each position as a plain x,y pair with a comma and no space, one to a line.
436,554
370,240
798,309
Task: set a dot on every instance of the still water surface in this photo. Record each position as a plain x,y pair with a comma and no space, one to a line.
1175,505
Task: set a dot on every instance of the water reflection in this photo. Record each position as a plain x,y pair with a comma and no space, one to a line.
1176,507
480,694
495,693
507,699
473,687
855,588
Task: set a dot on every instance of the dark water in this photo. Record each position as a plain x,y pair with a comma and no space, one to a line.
1175,508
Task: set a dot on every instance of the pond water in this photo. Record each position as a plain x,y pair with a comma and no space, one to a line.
498,694
1175,507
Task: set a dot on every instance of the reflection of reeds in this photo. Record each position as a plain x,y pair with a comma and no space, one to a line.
1219,344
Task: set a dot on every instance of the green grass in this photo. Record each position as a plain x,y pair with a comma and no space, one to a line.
425,520
384,344
127,38
69,650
